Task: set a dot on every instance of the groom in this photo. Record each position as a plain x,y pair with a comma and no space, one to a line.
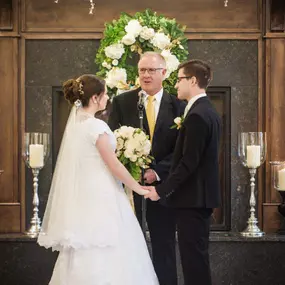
161,109
192,187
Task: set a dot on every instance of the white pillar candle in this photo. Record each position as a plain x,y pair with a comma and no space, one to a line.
253,156
281,179
36,155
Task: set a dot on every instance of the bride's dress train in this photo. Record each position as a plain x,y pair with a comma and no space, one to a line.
128,263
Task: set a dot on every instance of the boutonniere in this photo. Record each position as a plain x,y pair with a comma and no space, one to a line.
178,121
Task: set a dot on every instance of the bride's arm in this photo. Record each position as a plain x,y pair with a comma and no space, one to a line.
116,167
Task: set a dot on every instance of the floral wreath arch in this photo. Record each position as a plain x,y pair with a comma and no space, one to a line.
131,35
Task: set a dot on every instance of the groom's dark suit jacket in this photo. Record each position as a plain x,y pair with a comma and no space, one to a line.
194,178
124,112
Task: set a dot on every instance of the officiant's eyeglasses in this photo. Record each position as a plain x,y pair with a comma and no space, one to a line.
150,71
182,77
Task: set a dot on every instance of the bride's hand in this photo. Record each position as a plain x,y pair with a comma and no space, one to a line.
141,191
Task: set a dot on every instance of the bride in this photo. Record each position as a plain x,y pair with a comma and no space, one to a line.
88,217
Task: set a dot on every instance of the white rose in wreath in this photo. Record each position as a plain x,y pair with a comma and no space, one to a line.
171,62
160,40
133,28
115,51
116,75
107,65
128,39
147,33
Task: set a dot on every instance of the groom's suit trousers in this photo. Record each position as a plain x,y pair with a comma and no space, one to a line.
193,225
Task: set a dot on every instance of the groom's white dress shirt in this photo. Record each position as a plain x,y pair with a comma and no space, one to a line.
192,101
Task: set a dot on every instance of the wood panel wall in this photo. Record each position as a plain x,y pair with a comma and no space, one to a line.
9,190
197,15
275,119
205,19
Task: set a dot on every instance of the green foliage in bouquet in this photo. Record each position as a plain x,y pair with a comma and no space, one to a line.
129,36
133,149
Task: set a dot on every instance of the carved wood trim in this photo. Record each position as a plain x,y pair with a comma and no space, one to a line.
268,118
261,127
22,180
190,36
274,35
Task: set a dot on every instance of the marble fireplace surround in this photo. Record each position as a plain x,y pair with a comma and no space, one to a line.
235,260
235,67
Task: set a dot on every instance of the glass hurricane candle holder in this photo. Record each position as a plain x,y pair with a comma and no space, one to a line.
35,152
252,153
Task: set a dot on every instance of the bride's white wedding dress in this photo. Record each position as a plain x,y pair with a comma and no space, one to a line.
89,218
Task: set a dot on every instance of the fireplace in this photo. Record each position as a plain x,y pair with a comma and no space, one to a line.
219,96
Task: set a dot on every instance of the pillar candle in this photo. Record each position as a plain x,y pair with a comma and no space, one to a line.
36,155
281,179
253,156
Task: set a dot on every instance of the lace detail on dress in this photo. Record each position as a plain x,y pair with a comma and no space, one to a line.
82,115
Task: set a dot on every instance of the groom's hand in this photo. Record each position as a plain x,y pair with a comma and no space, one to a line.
150,176
152,195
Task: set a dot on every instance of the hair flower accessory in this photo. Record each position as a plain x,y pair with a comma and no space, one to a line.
78,103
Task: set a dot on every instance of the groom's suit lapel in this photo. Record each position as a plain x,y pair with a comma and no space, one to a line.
197,102
181,136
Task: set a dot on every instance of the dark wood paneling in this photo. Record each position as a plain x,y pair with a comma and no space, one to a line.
206,15
274,122
271,218
277,16
276,103
10,218
6,12
8,126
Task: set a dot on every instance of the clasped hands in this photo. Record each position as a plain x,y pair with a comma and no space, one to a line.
152,194
149,178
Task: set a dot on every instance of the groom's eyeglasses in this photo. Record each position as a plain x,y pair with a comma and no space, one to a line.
183,77
150,71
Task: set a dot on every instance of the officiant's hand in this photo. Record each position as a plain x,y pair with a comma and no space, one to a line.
150,176
152,195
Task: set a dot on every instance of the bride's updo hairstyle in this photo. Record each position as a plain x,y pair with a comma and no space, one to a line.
83,88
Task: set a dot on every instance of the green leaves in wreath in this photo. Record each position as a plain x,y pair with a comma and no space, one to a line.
128,37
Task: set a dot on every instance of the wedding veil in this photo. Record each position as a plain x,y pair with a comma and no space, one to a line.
56,230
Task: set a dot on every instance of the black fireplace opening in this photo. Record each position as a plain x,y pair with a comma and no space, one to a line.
220,98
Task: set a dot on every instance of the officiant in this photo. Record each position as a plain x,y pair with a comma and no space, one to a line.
160,111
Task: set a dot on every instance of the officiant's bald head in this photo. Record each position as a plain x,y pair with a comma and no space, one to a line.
157,56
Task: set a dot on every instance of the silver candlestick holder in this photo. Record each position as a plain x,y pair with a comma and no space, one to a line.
252,153
35,151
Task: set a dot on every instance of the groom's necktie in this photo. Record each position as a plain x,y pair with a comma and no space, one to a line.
150,113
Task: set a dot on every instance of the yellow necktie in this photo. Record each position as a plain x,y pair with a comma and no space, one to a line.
150,113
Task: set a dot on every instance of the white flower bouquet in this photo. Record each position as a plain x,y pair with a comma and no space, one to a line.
133,149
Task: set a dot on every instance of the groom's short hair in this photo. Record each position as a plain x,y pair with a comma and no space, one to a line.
198,68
